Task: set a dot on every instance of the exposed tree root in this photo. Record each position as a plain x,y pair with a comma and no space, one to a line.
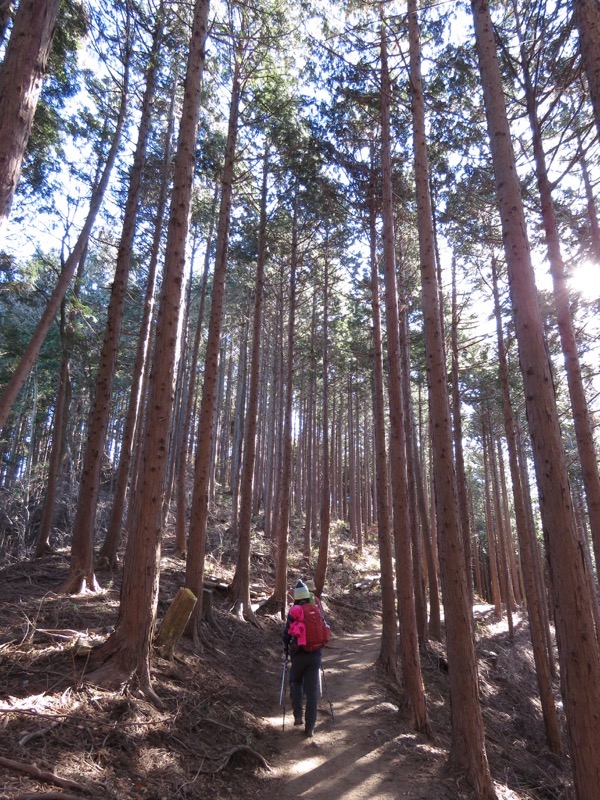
41,775
43,549
79,583
273,606
241,748
244,613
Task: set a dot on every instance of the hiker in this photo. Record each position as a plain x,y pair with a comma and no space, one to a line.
304,636
314,599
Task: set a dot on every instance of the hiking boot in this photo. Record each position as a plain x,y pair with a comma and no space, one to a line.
297,721
308,731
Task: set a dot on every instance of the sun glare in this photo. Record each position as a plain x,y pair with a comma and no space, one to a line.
585,280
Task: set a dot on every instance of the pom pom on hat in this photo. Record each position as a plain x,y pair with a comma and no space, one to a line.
301,591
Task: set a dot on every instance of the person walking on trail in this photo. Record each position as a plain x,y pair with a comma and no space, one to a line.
304,636
314,598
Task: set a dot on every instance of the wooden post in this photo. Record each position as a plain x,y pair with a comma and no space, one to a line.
174,622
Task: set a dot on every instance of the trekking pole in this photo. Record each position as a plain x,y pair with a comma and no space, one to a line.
282,693
327,693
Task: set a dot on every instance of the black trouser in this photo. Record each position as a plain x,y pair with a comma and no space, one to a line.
304,679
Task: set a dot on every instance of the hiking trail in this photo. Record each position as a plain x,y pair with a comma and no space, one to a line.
368,752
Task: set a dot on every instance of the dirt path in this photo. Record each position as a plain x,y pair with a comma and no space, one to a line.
367,752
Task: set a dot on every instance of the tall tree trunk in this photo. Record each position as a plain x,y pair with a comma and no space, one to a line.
126,653
224,426
325,515
526,544
81,571
194,574
544,588
502,557
428,535
238,423
21,78
494,576
351,462
60,419
358,478
258,480
367,488
475,548
461,478
181,381
581,419
514,576
43,537
216,425
240,586
409,642
387,653
467,752
411,459
272,438
577,638
108,552
333,452
283,503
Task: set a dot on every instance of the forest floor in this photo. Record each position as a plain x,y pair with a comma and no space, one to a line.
220,734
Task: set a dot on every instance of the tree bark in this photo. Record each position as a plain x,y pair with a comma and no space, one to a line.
240,586
581,418
325,512
283,502
409,642
411,459
467,753
577,638
461,478
21,78
63,394
81,571
134,416
494,577
181,516
239,423
126,653
389,626
199,509
502,555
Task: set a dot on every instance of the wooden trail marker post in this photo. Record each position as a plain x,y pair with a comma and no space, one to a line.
174,622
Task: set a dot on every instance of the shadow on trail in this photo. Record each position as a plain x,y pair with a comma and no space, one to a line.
349,758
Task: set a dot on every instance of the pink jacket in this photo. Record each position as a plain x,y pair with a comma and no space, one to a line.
297,628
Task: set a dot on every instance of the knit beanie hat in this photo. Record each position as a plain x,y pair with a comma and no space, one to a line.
301,591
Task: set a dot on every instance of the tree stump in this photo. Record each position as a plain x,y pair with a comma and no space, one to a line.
174,623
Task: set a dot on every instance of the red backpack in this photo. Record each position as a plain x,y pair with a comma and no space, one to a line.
317,630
